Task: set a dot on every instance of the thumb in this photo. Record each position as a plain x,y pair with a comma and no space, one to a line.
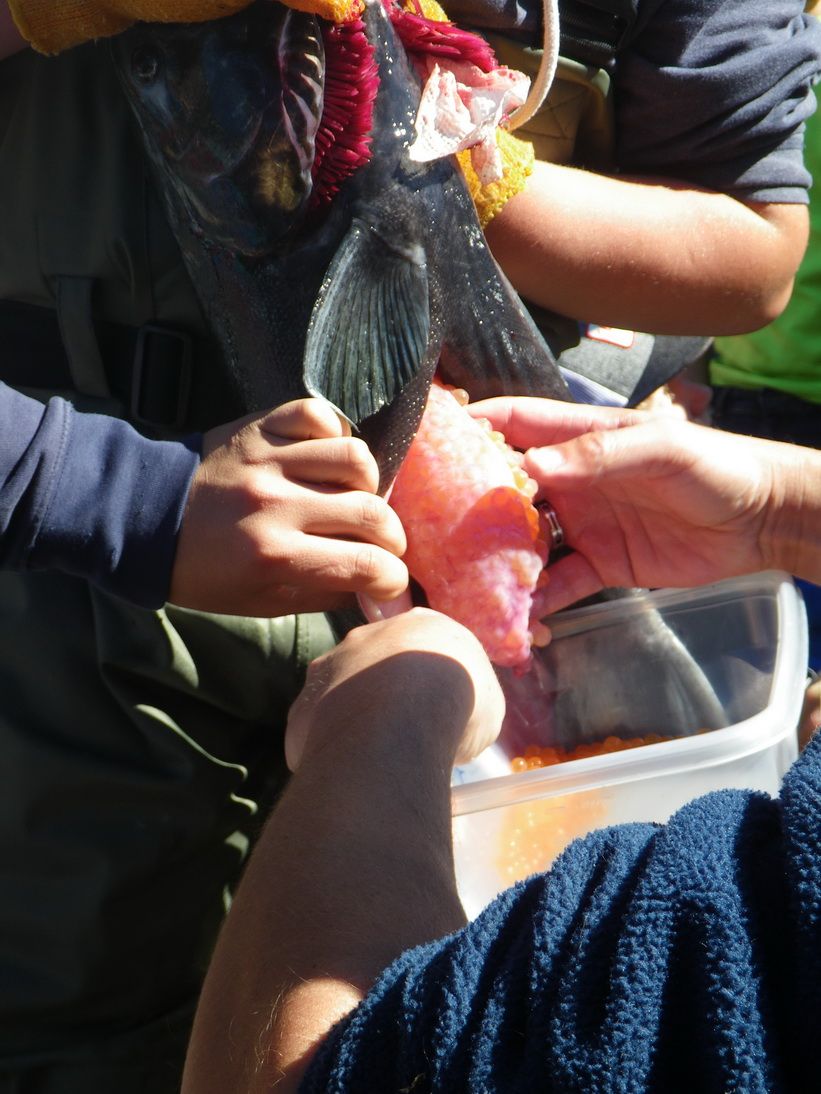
304,420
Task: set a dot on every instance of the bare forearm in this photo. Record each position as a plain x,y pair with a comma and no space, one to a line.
354,867
648,255
792,533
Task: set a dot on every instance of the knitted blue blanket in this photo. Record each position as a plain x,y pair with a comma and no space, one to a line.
677,957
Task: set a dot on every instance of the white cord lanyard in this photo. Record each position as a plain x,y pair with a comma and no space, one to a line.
547,66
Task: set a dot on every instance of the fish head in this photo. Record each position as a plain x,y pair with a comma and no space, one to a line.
230,112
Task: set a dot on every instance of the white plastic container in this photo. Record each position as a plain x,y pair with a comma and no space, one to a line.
747,636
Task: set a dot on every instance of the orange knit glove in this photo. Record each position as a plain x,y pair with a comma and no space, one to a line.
54,25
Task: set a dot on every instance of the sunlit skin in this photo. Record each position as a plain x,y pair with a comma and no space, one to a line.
677,260
287,501
653,501
634,474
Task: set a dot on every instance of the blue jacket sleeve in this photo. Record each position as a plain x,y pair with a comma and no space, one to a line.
89,495
651,958
716,94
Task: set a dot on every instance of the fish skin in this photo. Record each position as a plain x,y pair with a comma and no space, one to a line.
302,307
361,305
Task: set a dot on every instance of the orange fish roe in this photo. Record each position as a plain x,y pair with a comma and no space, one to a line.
535,832
534,756
474,538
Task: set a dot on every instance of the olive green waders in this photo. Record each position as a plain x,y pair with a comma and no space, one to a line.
139,749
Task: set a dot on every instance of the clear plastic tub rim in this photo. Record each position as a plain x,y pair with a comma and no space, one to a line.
758,748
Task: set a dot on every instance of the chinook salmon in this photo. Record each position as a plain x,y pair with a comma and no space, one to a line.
359,300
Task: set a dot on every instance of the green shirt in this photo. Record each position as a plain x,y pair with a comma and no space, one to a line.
786,354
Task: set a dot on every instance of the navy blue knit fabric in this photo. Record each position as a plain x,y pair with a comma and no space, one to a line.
88,495
682,957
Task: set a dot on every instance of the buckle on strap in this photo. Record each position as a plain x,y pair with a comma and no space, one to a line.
161,377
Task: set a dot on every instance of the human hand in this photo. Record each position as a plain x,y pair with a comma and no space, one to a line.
644,500
419,674
693,397
283,516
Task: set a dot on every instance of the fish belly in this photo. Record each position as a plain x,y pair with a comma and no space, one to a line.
475,544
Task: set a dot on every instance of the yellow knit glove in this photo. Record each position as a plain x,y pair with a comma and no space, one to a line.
54,25
517,164
335,11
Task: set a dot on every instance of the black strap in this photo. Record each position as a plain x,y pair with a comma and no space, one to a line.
671,354
78,335
593,31
150,369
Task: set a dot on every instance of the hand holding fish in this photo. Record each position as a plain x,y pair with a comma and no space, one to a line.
651,501
358,848
359,691
283,516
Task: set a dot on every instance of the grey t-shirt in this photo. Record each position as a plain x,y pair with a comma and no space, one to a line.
712,92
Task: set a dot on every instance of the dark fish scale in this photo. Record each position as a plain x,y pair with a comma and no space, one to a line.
358,305
363,303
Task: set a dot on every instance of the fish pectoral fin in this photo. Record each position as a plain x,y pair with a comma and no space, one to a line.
370,325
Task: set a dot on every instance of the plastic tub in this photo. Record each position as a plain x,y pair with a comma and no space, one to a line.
728,720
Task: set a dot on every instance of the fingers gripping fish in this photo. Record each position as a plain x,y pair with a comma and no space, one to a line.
359,300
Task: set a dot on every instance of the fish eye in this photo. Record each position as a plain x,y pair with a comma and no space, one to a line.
145,64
